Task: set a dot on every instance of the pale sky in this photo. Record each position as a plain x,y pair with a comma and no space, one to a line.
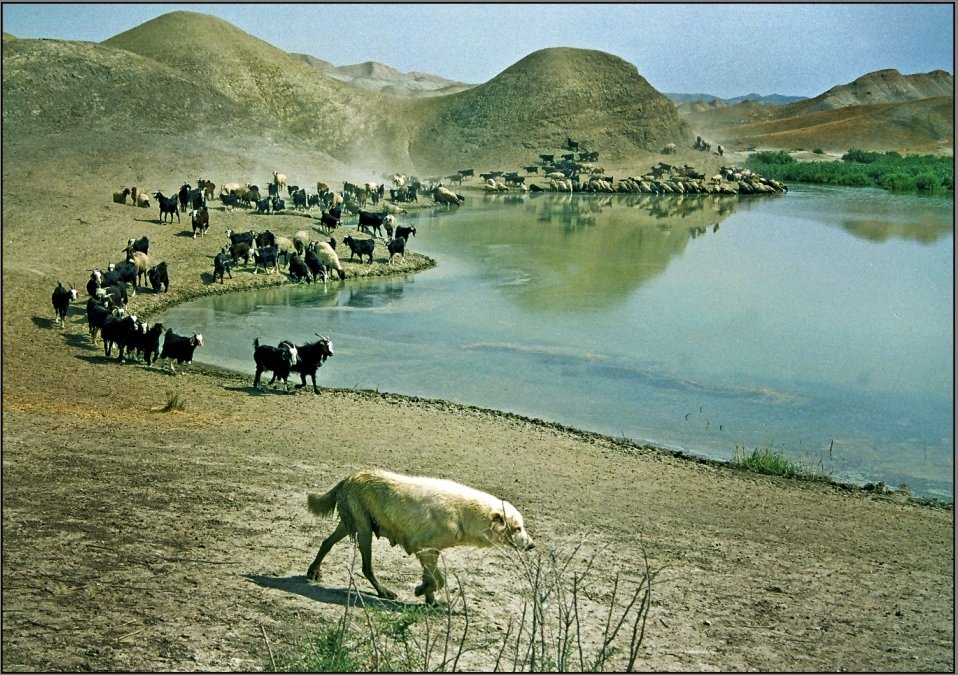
724,50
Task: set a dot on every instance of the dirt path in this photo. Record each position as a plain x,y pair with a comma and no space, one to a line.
135,539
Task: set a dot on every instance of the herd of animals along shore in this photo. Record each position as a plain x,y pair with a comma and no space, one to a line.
308,259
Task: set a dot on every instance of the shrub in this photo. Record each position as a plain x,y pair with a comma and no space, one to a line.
773,157
768,462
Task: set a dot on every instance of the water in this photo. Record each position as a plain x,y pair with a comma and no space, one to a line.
817,323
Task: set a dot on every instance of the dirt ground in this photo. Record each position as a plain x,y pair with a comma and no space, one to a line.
141,540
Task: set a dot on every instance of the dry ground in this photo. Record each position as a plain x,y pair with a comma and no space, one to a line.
135,539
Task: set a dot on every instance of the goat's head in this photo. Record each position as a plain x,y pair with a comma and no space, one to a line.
196,340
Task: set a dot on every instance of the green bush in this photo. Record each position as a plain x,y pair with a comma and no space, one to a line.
860,168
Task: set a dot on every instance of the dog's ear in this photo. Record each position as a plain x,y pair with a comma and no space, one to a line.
498,522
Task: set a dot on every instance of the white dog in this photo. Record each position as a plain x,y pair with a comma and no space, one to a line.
423,515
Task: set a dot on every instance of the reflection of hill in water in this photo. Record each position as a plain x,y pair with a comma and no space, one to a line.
925,229
582,250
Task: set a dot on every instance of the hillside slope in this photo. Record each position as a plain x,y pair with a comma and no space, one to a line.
545,98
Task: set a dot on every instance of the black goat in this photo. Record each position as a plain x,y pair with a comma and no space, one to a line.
267,257
262,205
240,250
300,199
222,264
184,196
372,222
179,348
310,357
265,239
278,360
62,297
397,245
298,269
97,311
405,232
329,221
146,342
168,205
241,237
159,277
142,244
315,265
360,247
120,331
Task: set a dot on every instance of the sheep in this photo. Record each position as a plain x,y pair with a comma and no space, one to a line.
120,197
445,196
301,241
279,180
61,299
285,247
328,257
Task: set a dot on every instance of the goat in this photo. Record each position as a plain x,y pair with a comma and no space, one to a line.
142,262
120,331
184,196
301,241
240,250
200,219
298,269
97,310
267,257
168,205
278,360
405,231
120,197
179,348
374,221
310,357
146,342
61,299
222,264
360,247
237,237
142,244
397,245
159,277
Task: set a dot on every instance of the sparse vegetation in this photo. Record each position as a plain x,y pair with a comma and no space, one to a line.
549,634
861,168
173,402
773,463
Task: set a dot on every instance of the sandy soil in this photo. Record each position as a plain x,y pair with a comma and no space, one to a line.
136,539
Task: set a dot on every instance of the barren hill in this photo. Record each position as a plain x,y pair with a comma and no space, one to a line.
186,73
879,87
538,103
384,79
880,111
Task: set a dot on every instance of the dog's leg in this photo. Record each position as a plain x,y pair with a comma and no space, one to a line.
432,579
364,538
328,543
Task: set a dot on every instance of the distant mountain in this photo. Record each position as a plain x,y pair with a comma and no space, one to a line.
882,86
771,99
378,77
884,110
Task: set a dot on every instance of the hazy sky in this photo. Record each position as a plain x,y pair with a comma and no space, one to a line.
722,49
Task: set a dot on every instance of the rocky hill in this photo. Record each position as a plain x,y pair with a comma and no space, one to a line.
879,87
186,73
538,103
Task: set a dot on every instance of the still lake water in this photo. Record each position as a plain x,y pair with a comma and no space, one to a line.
817,323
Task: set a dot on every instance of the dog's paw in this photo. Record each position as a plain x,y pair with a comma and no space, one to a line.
386,593
313,574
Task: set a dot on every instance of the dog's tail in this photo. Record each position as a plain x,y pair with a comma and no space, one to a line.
323,505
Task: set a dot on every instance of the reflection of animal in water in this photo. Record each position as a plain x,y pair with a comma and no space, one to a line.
422,515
